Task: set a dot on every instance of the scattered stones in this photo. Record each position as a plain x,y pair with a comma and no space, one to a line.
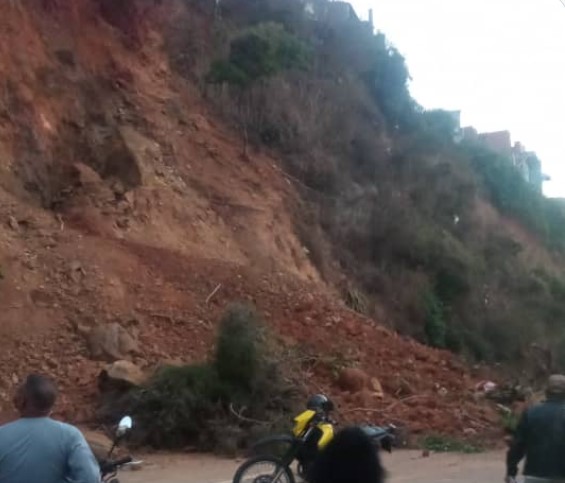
84,175
76,271
377,387
353,380
13,223
470,432
199,123
123,223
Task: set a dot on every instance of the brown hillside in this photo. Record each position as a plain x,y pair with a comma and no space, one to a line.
124,200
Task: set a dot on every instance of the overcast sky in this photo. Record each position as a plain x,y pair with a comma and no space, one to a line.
501,62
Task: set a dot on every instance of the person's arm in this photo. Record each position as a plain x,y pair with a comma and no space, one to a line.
82,464
517,449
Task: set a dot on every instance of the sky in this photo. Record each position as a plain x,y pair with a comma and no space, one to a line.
501,62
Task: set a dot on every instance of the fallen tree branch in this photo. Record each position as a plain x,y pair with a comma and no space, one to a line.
246,419
214,292
390,407
364,410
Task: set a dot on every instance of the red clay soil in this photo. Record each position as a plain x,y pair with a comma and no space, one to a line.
166,293
197,216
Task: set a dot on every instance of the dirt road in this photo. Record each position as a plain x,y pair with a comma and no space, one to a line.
403,466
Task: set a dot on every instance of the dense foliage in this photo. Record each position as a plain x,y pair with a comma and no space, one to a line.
259,52
220,405
461,251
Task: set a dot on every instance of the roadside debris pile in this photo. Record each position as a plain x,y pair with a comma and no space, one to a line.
373,374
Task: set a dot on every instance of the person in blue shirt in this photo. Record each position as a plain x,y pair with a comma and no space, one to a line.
36,448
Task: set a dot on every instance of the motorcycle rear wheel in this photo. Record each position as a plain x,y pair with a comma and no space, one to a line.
254,464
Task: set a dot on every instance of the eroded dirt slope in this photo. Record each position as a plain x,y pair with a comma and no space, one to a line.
123,200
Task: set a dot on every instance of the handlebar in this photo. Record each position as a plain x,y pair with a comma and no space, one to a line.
123,461
110,466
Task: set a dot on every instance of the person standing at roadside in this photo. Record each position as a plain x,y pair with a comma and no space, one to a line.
540,438
38,449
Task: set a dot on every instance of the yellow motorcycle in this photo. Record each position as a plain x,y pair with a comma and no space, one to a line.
313,430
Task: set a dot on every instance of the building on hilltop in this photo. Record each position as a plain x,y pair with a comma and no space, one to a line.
526,162
529,166
329,12
470,133
500,142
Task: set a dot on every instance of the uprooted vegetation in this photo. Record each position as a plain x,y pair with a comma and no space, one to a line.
219,405
387,191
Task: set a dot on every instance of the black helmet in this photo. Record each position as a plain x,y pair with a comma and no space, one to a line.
320,402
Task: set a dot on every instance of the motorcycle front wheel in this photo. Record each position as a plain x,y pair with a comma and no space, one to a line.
263,469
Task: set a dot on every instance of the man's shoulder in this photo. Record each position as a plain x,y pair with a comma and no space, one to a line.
545,407
536,408
67,428
7,427
40,422
20,427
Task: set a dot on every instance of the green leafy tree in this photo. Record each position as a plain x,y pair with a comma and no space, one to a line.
259,52
388,81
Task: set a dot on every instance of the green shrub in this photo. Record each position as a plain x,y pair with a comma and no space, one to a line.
435,328
448,444
173,408
258,52
219,405
238,359
509,421
387,79
356,300
514,196
557,287
477,346
454,339
225,71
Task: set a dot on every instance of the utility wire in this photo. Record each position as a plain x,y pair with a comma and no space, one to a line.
562,2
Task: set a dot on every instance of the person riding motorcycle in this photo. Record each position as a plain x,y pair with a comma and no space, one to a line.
36,448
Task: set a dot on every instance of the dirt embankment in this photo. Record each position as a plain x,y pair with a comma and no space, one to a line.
124,201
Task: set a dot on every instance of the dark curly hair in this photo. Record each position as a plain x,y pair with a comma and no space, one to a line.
350,457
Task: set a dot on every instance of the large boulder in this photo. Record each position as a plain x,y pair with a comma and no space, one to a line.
121,375
115,384
131,158
354,381
111,342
